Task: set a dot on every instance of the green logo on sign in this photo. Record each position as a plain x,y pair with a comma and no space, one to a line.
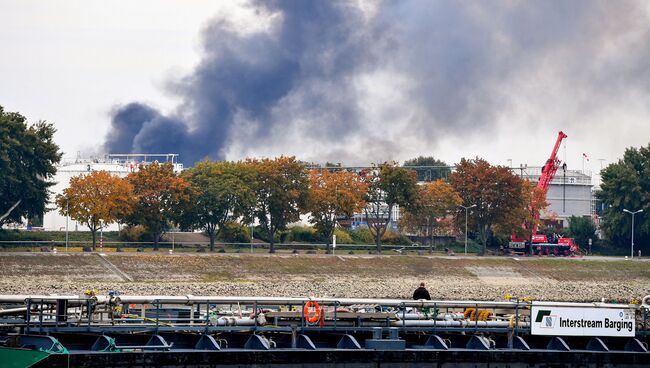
541,314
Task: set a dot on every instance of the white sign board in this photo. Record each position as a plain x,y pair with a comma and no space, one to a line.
583,321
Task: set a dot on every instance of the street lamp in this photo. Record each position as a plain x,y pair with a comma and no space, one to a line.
67,216
632,213
466,208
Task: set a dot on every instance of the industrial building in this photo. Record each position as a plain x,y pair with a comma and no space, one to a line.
570,192
116,164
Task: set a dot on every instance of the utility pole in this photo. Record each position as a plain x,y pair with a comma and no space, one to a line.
632,213
67,216
466,208
564,188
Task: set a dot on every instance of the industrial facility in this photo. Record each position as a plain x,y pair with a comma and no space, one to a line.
116,164
130,330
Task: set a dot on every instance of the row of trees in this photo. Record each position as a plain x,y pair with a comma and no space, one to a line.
275,192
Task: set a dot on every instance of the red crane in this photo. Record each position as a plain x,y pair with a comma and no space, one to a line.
548,172
539,243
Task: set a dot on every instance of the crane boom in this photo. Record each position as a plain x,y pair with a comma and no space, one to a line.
548,172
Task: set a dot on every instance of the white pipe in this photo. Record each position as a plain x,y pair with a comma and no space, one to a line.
232,321
421,316
584,305
426,323
298,301
434,323
646,302
190,299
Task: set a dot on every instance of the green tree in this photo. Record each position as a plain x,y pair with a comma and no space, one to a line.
222,192
159,193
499,195
281,192
333,195
388,186
428,168
96,199
626,185
582,229
28,156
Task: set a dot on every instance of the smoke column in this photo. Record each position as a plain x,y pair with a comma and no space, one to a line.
345,82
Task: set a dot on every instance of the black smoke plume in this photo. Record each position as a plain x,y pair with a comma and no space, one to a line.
242,78
344,82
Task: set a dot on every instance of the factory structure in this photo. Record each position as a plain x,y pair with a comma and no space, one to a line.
116,164
569,194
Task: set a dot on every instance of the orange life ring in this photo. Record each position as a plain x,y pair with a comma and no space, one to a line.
316,316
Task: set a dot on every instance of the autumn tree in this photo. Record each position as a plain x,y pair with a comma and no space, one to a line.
522,219
28,156
495,191
389,186
222,192
428,168
96,199
333,195
281,191
158,193
435,200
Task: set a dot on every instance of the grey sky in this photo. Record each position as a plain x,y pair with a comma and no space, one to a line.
353,84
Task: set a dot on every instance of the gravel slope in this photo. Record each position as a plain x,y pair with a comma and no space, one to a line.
467,278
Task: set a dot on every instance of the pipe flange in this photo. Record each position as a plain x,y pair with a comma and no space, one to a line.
645,303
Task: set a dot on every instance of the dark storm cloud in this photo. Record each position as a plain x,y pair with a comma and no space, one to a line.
466,63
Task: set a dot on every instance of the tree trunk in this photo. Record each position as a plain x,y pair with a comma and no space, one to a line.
212,235
272,243
378,240
156,239
271,239
328,240
484,235
93,232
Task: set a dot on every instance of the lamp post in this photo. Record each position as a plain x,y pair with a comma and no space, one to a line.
67,216
632,213
466,208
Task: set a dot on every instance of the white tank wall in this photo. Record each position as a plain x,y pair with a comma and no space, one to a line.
53,220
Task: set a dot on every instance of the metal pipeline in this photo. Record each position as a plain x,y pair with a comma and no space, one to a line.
462,323
646,302
191,299
232,321
422,316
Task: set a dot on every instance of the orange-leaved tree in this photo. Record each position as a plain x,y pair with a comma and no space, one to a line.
158,193
496,192
96,199
332,195
280,192
435,201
